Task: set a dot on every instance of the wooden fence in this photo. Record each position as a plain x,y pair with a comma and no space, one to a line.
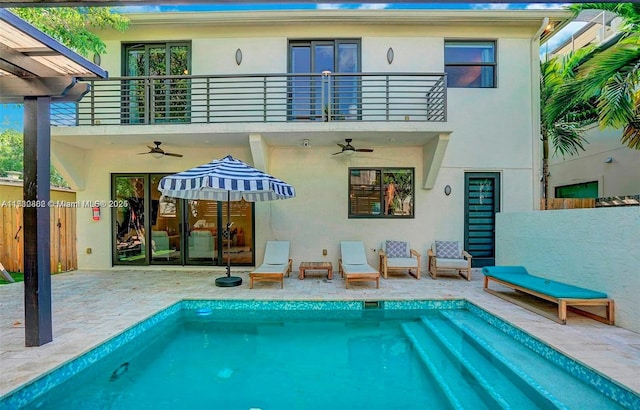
63,255
567,203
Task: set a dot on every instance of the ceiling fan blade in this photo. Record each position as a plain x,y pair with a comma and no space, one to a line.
342,146
364,150
152,148
142,153
171,154
336,153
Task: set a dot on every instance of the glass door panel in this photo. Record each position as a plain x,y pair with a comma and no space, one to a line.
300,86
238,243
166,217
202,239
346,89
323,61
130,238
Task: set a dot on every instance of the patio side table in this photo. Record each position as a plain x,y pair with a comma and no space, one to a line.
305,266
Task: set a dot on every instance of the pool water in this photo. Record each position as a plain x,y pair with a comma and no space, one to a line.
315,359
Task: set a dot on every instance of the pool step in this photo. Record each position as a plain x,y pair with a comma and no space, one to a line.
508,375
495,379
560,386
458,382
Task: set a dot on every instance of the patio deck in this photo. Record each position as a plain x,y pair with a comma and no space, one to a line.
92,306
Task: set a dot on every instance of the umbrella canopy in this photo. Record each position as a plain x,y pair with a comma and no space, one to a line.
225,179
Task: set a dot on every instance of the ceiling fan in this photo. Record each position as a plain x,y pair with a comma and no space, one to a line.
158,152
349,149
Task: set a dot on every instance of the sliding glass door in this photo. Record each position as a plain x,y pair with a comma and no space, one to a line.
152,229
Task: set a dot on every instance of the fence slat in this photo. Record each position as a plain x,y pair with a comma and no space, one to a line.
62,239
567,203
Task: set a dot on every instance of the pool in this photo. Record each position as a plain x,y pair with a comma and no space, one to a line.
309,355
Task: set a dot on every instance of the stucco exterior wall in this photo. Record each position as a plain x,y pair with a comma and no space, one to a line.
621,176
594,248
490,130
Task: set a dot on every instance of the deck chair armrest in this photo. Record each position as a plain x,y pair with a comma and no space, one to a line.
466,255
415,253
382,253
430,253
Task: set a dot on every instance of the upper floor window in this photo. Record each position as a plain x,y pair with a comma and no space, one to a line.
314,97
158,99
381,192
470,64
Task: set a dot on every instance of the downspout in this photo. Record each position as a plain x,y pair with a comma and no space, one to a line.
536,136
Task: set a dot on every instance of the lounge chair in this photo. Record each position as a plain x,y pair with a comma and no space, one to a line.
161,248
275,265
564,295
397,255
353,265
201,244
449,256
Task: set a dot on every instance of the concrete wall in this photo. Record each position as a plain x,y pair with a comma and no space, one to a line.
594,248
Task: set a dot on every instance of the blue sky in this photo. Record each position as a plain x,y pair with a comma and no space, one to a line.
11,115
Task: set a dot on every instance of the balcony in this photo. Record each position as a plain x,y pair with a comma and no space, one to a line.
258,98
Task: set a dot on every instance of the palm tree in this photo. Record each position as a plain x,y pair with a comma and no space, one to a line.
608,77
561,128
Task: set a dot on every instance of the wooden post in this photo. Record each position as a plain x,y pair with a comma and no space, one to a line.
36,216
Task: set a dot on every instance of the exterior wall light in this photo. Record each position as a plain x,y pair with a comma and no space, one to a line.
238,56
97,59
447,190
390,55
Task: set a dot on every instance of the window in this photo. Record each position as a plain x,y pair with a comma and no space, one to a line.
310,96
470,64
160,100
381,192
585,190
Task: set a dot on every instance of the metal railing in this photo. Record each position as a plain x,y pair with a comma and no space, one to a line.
259,98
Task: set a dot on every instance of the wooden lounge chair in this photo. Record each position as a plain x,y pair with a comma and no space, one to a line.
275,265
397,255
564,295
353,265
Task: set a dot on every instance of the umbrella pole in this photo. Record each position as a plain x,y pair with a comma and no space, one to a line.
228,281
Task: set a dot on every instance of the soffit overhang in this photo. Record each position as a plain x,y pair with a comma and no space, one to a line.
32,64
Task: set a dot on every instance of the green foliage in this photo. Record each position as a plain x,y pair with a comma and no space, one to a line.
72,25
12,153
608,78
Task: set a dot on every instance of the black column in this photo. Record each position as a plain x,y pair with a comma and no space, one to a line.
36,216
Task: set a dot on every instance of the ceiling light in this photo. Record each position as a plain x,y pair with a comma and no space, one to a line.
157,154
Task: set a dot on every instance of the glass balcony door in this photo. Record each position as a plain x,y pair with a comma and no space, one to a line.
152,100
318,96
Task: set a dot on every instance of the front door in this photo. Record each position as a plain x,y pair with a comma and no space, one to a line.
482,202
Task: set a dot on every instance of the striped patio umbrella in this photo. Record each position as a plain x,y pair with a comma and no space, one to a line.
226,179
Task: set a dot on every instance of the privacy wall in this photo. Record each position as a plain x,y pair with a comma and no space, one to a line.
595,248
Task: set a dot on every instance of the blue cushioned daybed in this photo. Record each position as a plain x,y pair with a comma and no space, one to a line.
564,295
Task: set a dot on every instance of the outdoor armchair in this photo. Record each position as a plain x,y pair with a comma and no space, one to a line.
275,265
397,255
449,256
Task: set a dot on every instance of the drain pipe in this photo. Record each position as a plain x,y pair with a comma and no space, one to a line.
536,136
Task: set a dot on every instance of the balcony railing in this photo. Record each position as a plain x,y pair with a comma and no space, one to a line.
259,98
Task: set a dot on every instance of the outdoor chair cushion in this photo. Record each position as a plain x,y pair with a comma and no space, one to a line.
448,249
446,263
518,275
276,253
396,249
353,253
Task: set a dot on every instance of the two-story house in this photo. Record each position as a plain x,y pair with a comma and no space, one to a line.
443,104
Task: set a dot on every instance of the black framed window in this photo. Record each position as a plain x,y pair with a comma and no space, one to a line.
314,97
470,64
381,192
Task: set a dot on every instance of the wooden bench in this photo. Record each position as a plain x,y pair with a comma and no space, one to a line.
567,297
